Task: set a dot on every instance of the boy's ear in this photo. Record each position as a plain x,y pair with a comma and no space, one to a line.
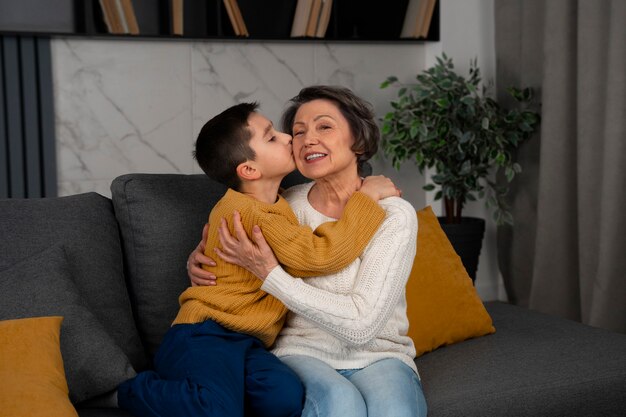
248,171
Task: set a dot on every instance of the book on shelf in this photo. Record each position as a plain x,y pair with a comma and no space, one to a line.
176,16
240,21
119,17
324,18
314,15
428,16
311,18
301,18
235,17
130,18
409,28
109,14
231,16
417,18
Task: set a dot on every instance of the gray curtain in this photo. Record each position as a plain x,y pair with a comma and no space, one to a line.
566,253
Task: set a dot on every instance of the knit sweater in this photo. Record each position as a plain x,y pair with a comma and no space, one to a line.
237,302
357,316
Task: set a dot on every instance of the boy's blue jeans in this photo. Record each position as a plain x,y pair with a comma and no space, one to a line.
206,370
387,388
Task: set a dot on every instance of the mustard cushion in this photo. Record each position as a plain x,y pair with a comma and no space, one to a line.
442,304
32,379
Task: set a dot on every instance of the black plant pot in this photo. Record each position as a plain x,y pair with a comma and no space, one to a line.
467,239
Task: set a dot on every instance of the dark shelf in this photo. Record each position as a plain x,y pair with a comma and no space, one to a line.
267,20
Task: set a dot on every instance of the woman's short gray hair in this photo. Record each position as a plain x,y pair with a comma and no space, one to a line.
357,112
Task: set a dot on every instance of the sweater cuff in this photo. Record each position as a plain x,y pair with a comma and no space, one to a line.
276,281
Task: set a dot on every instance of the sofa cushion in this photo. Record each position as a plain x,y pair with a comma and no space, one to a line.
442,304
85,226
161,218
42,286
32,380
534,365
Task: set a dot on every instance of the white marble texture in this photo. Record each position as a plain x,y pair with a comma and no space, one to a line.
120,107
137,105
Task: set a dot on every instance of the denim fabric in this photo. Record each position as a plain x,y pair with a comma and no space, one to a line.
206,370
387,388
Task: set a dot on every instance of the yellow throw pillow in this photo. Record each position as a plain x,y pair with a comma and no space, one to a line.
442,304
32,379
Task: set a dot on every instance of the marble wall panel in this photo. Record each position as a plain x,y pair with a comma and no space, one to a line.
120,107
137,105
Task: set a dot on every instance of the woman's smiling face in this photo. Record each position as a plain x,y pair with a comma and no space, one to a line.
322,140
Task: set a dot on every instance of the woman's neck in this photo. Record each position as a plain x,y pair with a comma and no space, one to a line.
329,195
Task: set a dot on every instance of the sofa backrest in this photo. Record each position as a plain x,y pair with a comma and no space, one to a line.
160,218
85,226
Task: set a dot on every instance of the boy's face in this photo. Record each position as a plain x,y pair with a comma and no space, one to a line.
274,157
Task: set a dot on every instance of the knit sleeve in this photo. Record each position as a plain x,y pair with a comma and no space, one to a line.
330,247
358,316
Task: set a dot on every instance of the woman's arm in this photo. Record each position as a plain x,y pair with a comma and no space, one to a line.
357,317
197,275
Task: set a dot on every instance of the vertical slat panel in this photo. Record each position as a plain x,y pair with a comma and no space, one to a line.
27,137
12,93
30,115
4,156
46,112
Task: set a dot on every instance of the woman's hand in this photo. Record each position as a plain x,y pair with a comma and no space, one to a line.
378,187
254,255
197,275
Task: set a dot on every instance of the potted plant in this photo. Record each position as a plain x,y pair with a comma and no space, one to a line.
450,124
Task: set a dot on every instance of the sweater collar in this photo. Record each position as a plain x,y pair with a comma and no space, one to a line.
280,203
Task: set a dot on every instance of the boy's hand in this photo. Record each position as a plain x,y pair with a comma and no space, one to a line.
378,187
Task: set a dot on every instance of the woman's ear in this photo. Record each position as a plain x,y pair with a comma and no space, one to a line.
248,171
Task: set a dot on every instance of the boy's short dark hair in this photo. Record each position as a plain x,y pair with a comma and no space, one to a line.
358,113
224,143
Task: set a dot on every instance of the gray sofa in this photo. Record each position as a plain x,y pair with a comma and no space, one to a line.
115,267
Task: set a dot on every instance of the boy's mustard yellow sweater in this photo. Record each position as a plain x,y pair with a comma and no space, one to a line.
237,302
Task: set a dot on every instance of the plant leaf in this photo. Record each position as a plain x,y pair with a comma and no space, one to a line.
509,173
443,103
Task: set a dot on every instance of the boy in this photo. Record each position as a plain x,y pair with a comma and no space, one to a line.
214,360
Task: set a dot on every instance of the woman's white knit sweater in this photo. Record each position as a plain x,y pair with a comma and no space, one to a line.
357,316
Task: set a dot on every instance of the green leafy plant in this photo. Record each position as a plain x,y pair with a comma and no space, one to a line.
447,122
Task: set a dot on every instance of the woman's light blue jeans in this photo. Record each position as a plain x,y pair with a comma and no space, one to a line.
387,388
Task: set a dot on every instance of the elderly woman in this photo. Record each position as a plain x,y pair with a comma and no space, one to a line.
346,334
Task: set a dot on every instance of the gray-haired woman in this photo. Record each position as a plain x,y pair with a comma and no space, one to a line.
346,335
